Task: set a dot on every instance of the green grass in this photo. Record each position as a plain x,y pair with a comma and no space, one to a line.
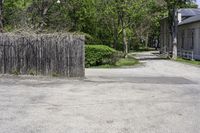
124,62
143,49
127,62
193,62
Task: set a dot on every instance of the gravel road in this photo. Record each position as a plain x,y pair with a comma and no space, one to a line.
159,96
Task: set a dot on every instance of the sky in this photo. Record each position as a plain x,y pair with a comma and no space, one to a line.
198,2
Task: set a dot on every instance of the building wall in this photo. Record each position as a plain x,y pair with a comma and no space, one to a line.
189,39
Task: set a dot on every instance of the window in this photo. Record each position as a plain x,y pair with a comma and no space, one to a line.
182,39
192,45
190,39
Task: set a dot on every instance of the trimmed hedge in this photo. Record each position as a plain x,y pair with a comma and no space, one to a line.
96,55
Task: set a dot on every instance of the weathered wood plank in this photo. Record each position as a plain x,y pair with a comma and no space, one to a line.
42,54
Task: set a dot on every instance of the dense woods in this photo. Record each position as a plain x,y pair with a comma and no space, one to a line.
121,24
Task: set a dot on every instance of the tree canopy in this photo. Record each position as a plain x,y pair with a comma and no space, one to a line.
121,24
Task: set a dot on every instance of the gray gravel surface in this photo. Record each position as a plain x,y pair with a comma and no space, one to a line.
160,96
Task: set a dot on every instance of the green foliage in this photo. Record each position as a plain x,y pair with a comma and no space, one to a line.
55,75
103,21
14,12
96,55
181,3
15,72
105,57
193,62
32,72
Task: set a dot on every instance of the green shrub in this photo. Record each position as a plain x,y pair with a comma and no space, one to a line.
96,55
15,72
32,72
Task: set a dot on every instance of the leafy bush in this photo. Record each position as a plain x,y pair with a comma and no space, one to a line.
96,55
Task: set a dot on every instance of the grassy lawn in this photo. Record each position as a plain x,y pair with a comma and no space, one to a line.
193,62
124,62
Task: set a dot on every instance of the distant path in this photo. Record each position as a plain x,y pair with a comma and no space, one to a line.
153,66
150,55
161,96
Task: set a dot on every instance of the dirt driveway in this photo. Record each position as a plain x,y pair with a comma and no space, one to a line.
160,96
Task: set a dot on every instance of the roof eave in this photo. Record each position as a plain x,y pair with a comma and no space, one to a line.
188,23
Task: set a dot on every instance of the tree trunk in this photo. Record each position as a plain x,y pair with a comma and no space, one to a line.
124,36
146,40
44,10
1,16
115,30
174,33
125,41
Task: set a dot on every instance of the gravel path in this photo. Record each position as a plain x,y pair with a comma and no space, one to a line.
160,96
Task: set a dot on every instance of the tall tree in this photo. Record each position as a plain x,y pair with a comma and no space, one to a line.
1,15
117,23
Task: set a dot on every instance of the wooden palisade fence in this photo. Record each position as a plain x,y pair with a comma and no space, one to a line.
42,54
